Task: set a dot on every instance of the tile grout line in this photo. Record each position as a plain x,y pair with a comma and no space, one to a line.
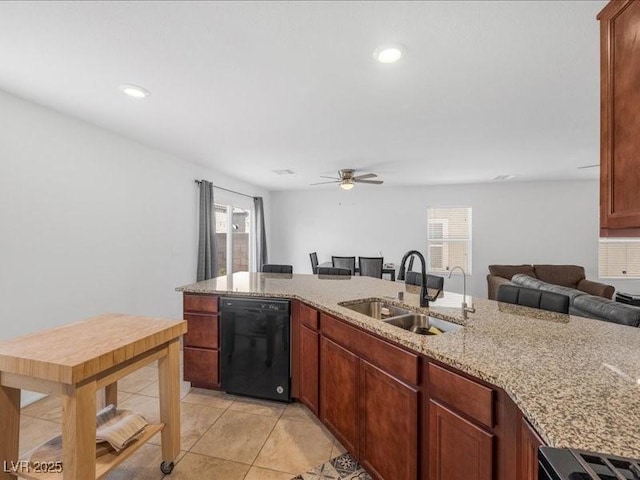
265,441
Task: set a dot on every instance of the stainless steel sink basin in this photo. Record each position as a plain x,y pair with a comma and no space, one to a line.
377,309
422,324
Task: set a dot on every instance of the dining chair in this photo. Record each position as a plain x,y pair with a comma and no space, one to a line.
370,266
434,282
314,262
533,298
341,272
344,262
274,268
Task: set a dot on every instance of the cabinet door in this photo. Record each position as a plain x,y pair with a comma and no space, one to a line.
388,425
458,449
620,122
339,393
528,445
308,371
201,367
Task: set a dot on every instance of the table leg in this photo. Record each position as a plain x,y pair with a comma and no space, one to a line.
169,381
79,432
111,394
9,430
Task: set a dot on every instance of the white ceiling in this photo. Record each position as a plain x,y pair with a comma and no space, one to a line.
485,89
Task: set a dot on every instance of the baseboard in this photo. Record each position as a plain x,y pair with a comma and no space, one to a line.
27,398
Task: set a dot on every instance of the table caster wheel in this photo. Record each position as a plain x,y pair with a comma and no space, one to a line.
166,468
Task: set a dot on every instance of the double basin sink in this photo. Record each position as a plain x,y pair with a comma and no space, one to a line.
401,317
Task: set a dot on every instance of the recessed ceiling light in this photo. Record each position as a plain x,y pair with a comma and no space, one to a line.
134,91
504,177
388,53
284,171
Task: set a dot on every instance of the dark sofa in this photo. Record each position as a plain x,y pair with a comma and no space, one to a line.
586,298
584,305
571,276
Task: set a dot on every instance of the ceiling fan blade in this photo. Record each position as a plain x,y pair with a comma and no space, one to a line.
322,183
332,178
366,175
372,182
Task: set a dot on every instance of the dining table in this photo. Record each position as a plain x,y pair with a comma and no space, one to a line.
387,269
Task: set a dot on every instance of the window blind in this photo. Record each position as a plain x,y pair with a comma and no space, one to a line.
449,238
619,258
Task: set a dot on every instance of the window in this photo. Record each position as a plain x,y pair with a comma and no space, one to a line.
233,234
619,258
448,238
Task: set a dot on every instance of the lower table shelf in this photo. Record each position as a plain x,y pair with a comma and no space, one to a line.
104,463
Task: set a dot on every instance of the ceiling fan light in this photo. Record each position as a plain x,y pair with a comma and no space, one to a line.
346,185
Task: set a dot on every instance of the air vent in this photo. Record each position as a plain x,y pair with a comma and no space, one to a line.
504,177
284,171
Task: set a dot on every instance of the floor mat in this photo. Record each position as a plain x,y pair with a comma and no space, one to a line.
344,467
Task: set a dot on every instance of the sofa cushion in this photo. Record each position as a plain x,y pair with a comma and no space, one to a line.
609,310
508,271
564,275
572,293
527,281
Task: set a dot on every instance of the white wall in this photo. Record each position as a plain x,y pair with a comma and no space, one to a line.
91,222
513,223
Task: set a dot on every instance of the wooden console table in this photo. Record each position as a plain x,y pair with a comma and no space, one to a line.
76,360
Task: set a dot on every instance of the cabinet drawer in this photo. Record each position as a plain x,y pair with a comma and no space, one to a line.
202,331
308,316
463,394
201,366
200,303
398,362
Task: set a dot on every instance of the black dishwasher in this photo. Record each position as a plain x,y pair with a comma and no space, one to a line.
255,350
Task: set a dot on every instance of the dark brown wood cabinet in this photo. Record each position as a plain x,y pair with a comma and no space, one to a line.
404,416
308,368
201,342
528,443
388,425
339,386
619,119
458,449
366,400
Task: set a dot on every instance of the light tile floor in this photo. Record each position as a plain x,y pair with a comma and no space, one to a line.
224,437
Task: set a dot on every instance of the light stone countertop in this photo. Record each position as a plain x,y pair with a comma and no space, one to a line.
577,380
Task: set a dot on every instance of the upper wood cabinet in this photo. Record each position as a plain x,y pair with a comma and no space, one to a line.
620,119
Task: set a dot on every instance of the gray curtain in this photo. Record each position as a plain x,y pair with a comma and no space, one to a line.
207,259
261,236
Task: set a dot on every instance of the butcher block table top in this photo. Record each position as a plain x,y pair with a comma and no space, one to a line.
76,351
75,361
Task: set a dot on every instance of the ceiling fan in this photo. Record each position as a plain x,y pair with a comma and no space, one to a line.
347,179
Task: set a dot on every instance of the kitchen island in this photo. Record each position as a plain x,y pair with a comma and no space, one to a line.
575,380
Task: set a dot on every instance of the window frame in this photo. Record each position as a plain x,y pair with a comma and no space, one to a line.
609,240
443,242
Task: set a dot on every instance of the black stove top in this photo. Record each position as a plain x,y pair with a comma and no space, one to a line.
568,464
